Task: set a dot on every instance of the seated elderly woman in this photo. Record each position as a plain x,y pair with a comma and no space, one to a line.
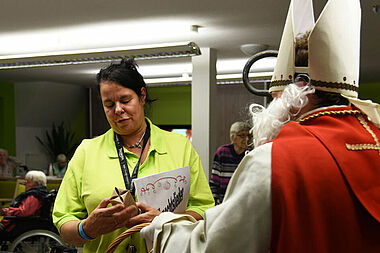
58,168
26,204
7,164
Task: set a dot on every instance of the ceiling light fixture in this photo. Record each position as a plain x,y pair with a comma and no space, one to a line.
252,49
223,79
178,69
194,28
144,52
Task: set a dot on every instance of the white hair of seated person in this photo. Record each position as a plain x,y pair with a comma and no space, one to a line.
267,122
5,151
38,177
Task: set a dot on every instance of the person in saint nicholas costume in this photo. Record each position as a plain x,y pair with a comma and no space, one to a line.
312,182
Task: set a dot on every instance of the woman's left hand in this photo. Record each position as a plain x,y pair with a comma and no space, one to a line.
148,213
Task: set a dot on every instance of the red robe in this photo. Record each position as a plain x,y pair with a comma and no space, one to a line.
325,197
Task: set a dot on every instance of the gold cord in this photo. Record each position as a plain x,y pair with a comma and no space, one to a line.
358,114
358,147
329,113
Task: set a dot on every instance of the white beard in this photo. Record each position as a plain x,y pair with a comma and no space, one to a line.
267,122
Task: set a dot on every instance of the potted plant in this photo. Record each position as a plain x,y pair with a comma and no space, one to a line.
58,140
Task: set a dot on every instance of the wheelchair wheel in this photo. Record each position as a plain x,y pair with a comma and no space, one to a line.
36,241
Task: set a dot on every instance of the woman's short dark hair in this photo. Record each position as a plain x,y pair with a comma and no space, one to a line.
125,74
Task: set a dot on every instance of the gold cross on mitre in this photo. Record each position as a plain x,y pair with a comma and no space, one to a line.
359,147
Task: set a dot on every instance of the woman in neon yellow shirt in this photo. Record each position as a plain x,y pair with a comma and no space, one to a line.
82,212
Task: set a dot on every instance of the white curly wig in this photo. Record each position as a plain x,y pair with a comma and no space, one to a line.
267,122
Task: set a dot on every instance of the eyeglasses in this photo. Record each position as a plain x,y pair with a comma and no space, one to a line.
244,135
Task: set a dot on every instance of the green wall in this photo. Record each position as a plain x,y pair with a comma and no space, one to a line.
7,118
172,107
370,91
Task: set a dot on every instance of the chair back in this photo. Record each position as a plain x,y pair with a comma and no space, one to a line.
19,188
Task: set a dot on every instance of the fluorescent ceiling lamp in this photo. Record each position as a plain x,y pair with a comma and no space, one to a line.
228,72
230,66
171,70
101,34
163,70
155,51
221,79
239,76
168,80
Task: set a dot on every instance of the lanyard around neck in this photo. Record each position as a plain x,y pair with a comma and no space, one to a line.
123,161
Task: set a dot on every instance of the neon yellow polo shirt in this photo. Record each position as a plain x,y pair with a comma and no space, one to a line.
94,171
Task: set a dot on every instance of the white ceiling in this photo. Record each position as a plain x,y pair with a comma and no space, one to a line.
46,25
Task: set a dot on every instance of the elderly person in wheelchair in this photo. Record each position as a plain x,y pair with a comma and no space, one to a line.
27,225
26,204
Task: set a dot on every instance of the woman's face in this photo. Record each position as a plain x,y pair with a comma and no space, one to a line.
123,108
3,158
241,140
29,184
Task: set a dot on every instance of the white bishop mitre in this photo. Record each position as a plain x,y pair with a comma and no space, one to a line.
334,46
333,50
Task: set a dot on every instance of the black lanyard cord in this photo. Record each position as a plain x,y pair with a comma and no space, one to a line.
123,161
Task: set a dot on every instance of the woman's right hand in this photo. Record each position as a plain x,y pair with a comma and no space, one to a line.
107,219
4,211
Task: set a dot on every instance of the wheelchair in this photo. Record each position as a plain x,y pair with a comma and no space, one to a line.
36,234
